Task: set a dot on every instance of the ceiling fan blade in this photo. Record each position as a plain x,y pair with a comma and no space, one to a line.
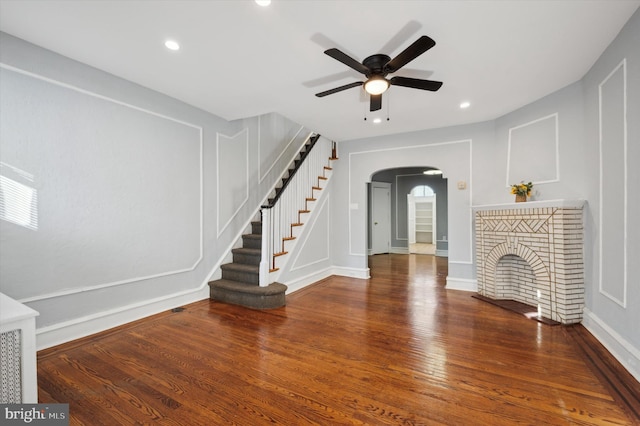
347,60
376,103
416,49
416,83
409,29
339,89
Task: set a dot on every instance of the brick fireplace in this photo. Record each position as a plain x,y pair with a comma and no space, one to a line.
533,253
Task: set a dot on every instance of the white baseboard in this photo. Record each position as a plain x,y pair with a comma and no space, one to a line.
77,328
621,349
442,253
465,284
302,282
361,273
399,250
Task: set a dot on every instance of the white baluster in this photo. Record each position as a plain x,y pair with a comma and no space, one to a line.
264,254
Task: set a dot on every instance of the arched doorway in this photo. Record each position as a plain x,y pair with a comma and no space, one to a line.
421,220
402,181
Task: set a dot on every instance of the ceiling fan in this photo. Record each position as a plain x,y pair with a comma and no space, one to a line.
377,67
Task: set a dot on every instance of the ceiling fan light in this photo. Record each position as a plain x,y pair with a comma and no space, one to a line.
376,85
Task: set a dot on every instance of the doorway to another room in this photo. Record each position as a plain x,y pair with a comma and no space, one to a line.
407,211
421,220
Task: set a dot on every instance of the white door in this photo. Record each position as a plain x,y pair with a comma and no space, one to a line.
380,217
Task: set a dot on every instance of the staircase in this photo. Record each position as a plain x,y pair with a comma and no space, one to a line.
241,282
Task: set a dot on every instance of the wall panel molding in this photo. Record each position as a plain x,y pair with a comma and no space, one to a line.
323,212
526,147
112,104
235,150
612,140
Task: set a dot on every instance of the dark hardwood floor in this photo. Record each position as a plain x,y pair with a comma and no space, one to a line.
397,349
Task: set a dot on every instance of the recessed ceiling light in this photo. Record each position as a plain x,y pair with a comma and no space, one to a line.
465,105
172,45
263,3
377,120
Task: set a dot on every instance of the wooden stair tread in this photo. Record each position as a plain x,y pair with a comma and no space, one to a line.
282,253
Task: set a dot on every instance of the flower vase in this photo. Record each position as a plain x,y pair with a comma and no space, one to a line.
521,198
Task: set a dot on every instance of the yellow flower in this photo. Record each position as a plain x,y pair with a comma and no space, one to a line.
522,188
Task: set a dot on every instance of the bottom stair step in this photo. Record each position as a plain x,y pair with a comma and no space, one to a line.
248,295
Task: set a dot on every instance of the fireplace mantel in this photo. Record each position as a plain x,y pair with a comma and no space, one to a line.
532,252
532,205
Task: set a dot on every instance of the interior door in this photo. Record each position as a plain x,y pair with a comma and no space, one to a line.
380,217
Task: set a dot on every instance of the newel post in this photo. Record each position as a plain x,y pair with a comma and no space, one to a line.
264,248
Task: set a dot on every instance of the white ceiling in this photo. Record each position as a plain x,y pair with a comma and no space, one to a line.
239,59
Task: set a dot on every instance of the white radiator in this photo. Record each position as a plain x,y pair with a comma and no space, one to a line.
18,375
10,368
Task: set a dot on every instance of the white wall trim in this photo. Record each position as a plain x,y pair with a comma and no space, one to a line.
146,111
77,328
461,262
464,284
399,250
623,302
557,137
343,271
620,348
246,191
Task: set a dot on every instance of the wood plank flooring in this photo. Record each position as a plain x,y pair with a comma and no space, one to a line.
397,349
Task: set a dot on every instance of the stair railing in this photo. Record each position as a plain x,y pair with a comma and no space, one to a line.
282,212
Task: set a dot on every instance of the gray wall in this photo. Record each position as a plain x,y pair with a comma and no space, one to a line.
611,149
139,196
